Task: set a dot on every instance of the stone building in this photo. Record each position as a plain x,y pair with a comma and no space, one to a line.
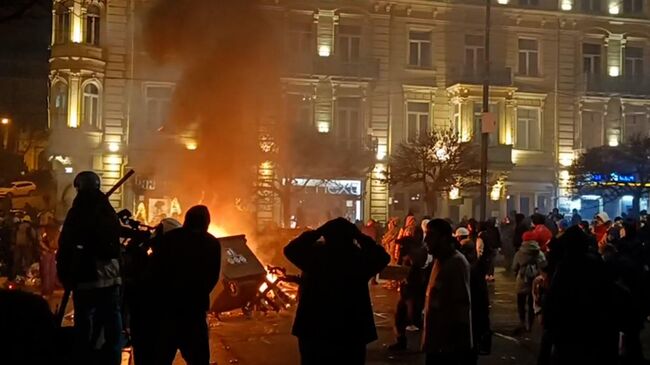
565,75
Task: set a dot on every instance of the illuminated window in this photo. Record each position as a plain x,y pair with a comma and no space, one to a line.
62,17
528,57
528,129
420,49
474,53
591,6
59,103
632,6
418,121
158,99
348,122
633,62
92,26
91,106
591,59
349,43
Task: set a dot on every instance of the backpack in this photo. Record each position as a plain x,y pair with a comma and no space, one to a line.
529,272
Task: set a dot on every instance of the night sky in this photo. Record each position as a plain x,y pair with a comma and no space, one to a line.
24,53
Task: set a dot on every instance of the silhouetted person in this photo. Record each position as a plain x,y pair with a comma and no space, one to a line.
334,320
481,331
28,335
408,311
447,336
185,268
580,306
88,264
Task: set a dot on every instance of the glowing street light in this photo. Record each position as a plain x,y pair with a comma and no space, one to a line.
5,121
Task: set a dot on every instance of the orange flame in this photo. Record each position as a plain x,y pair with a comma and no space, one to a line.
217,231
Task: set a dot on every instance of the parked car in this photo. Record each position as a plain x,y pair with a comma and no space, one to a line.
18,188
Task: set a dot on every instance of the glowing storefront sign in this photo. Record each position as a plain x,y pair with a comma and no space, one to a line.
333,187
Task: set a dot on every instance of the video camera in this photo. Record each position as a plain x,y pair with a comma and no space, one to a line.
134,230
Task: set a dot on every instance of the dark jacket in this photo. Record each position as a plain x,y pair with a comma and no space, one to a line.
579,305
334,299
478,290
186,267
89,244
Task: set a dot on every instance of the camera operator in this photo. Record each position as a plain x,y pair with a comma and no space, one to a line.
88,264
334,318
185,269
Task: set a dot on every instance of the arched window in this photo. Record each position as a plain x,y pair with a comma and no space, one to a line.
91,106
59,103
61,24
92,25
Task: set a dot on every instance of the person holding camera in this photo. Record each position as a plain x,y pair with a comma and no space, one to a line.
334,318
88,263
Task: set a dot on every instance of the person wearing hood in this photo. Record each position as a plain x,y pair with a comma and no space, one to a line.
409,230
578,328
389,238
527,265
602,223
88,264
334,318
185,269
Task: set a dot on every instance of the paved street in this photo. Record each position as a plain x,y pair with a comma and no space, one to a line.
266,340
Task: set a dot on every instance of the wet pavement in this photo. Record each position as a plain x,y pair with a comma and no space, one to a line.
266,339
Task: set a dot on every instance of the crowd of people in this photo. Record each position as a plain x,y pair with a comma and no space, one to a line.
27,237
586,284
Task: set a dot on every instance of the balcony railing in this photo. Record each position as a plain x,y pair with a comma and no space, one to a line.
499,76
333,66
623,85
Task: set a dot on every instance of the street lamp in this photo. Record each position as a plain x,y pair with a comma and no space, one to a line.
5,123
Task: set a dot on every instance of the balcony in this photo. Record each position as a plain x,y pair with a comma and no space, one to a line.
77,55
499,76
333,66
622,85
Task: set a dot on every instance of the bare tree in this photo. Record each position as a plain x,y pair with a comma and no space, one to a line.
437,162
613,172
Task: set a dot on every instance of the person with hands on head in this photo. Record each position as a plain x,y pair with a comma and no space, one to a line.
334,318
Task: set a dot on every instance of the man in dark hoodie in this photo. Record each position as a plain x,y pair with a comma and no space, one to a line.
334,319
185,265
88,264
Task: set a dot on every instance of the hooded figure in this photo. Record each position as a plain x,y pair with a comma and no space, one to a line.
334,318
389,238
527,265
580,330
185,269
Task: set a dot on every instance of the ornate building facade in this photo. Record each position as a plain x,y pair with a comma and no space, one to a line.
565,75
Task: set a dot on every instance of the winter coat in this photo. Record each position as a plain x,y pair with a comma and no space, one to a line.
334,300
89,245
479,291
527,264
187,264
447,316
